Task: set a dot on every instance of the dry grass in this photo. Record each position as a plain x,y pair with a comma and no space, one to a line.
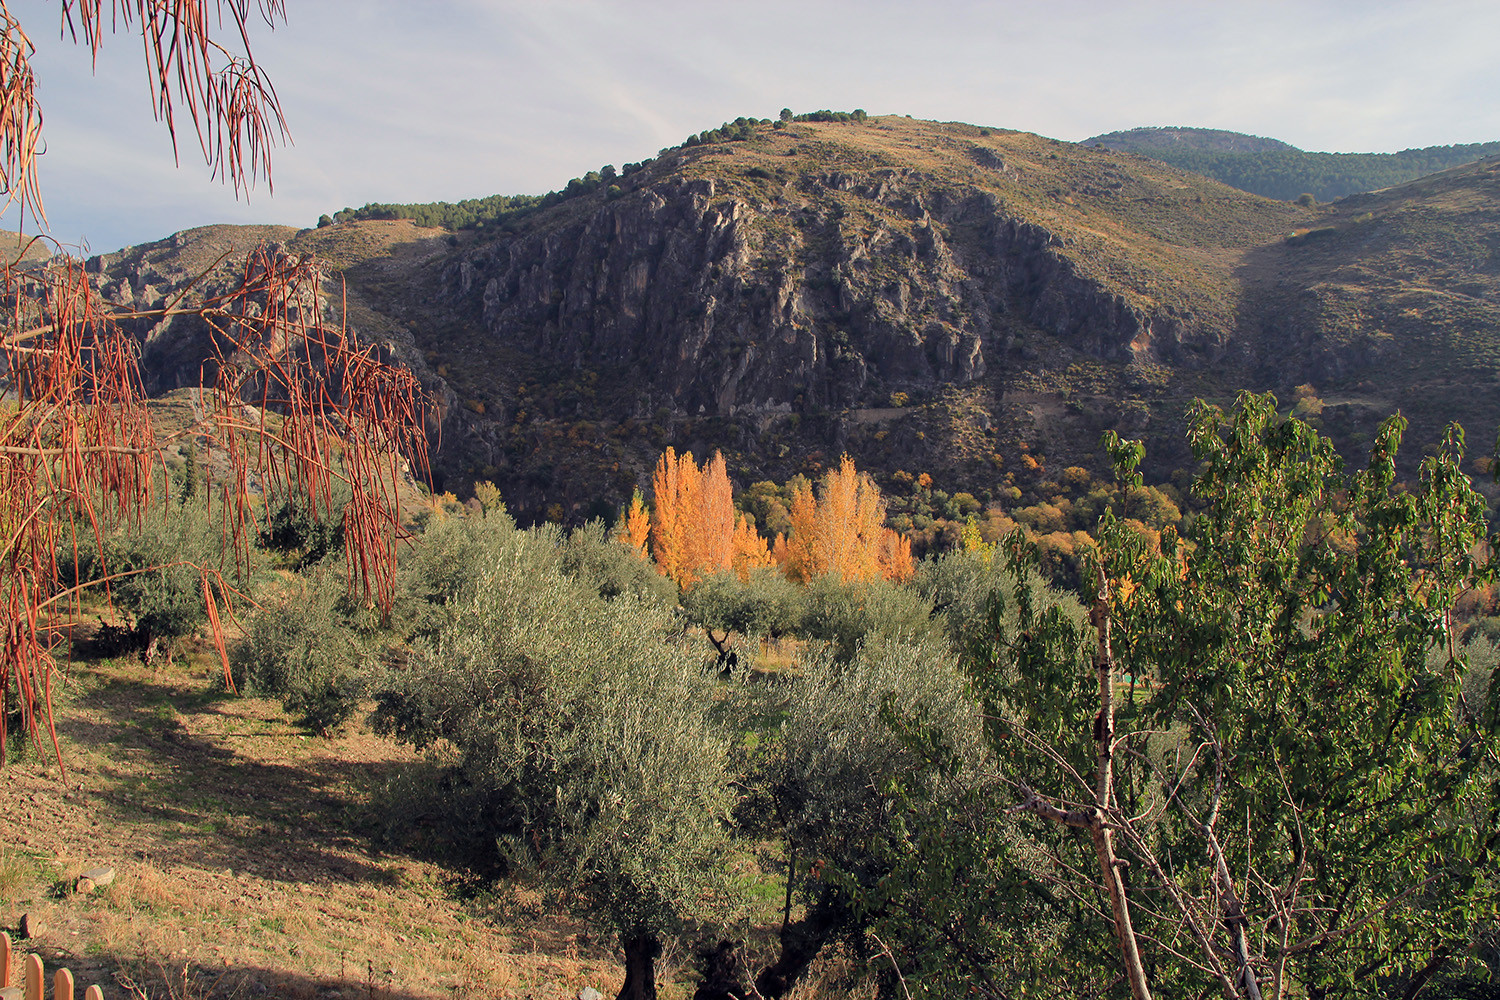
836,973
18,873
249,860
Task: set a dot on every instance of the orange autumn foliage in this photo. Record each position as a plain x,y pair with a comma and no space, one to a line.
750,549
693,519
667,544
896,562
637,526
712,528
842,531
695,532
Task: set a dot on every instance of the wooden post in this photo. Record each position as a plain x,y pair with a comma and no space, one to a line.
62,985
34,977
93,993
4,960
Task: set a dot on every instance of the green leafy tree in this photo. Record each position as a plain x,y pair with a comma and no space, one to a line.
835,773
767,605
1308,805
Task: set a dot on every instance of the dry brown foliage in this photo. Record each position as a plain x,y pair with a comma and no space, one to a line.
76,441
216,84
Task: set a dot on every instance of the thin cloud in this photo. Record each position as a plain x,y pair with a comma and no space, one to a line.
422,101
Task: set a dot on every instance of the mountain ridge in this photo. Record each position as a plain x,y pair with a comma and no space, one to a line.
1275,169
929,297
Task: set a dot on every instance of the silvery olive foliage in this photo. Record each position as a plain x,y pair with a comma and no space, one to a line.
580,722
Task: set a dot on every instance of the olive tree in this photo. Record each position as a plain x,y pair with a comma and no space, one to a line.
766,605
581,725
305,647
836,773
153,566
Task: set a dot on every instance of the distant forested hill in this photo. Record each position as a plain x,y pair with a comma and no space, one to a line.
1274,169
1150,141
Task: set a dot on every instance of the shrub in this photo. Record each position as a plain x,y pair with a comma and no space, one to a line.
304,650
581,730
845,615
612,569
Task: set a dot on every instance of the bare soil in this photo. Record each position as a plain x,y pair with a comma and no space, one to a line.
252,861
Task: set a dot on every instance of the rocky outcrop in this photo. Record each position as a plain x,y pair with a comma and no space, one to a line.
211,265
833,292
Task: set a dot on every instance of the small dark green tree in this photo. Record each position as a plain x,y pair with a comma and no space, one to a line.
155,569
191,474
305,649
767,605
301,533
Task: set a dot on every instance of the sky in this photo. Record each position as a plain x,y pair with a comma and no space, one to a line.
418,100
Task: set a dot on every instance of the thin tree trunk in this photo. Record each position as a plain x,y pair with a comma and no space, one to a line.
1104,739
801,940
1421,979
1097,819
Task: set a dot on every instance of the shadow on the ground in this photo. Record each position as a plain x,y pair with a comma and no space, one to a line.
284,820
164,979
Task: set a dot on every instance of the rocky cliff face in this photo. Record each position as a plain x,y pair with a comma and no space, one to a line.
927,297
192,267
831,293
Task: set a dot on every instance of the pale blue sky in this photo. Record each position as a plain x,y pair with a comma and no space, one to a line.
406,100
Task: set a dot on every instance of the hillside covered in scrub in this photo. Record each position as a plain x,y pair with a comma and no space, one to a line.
967,303
1276,169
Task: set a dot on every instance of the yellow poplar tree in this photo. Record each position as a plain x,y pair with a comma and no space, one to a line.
750,550
693,526
712,529
842,530
797,552
896,562
637,526
667,544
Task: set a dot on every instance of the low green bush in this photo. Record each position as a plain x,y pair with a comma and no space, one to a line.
304,650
